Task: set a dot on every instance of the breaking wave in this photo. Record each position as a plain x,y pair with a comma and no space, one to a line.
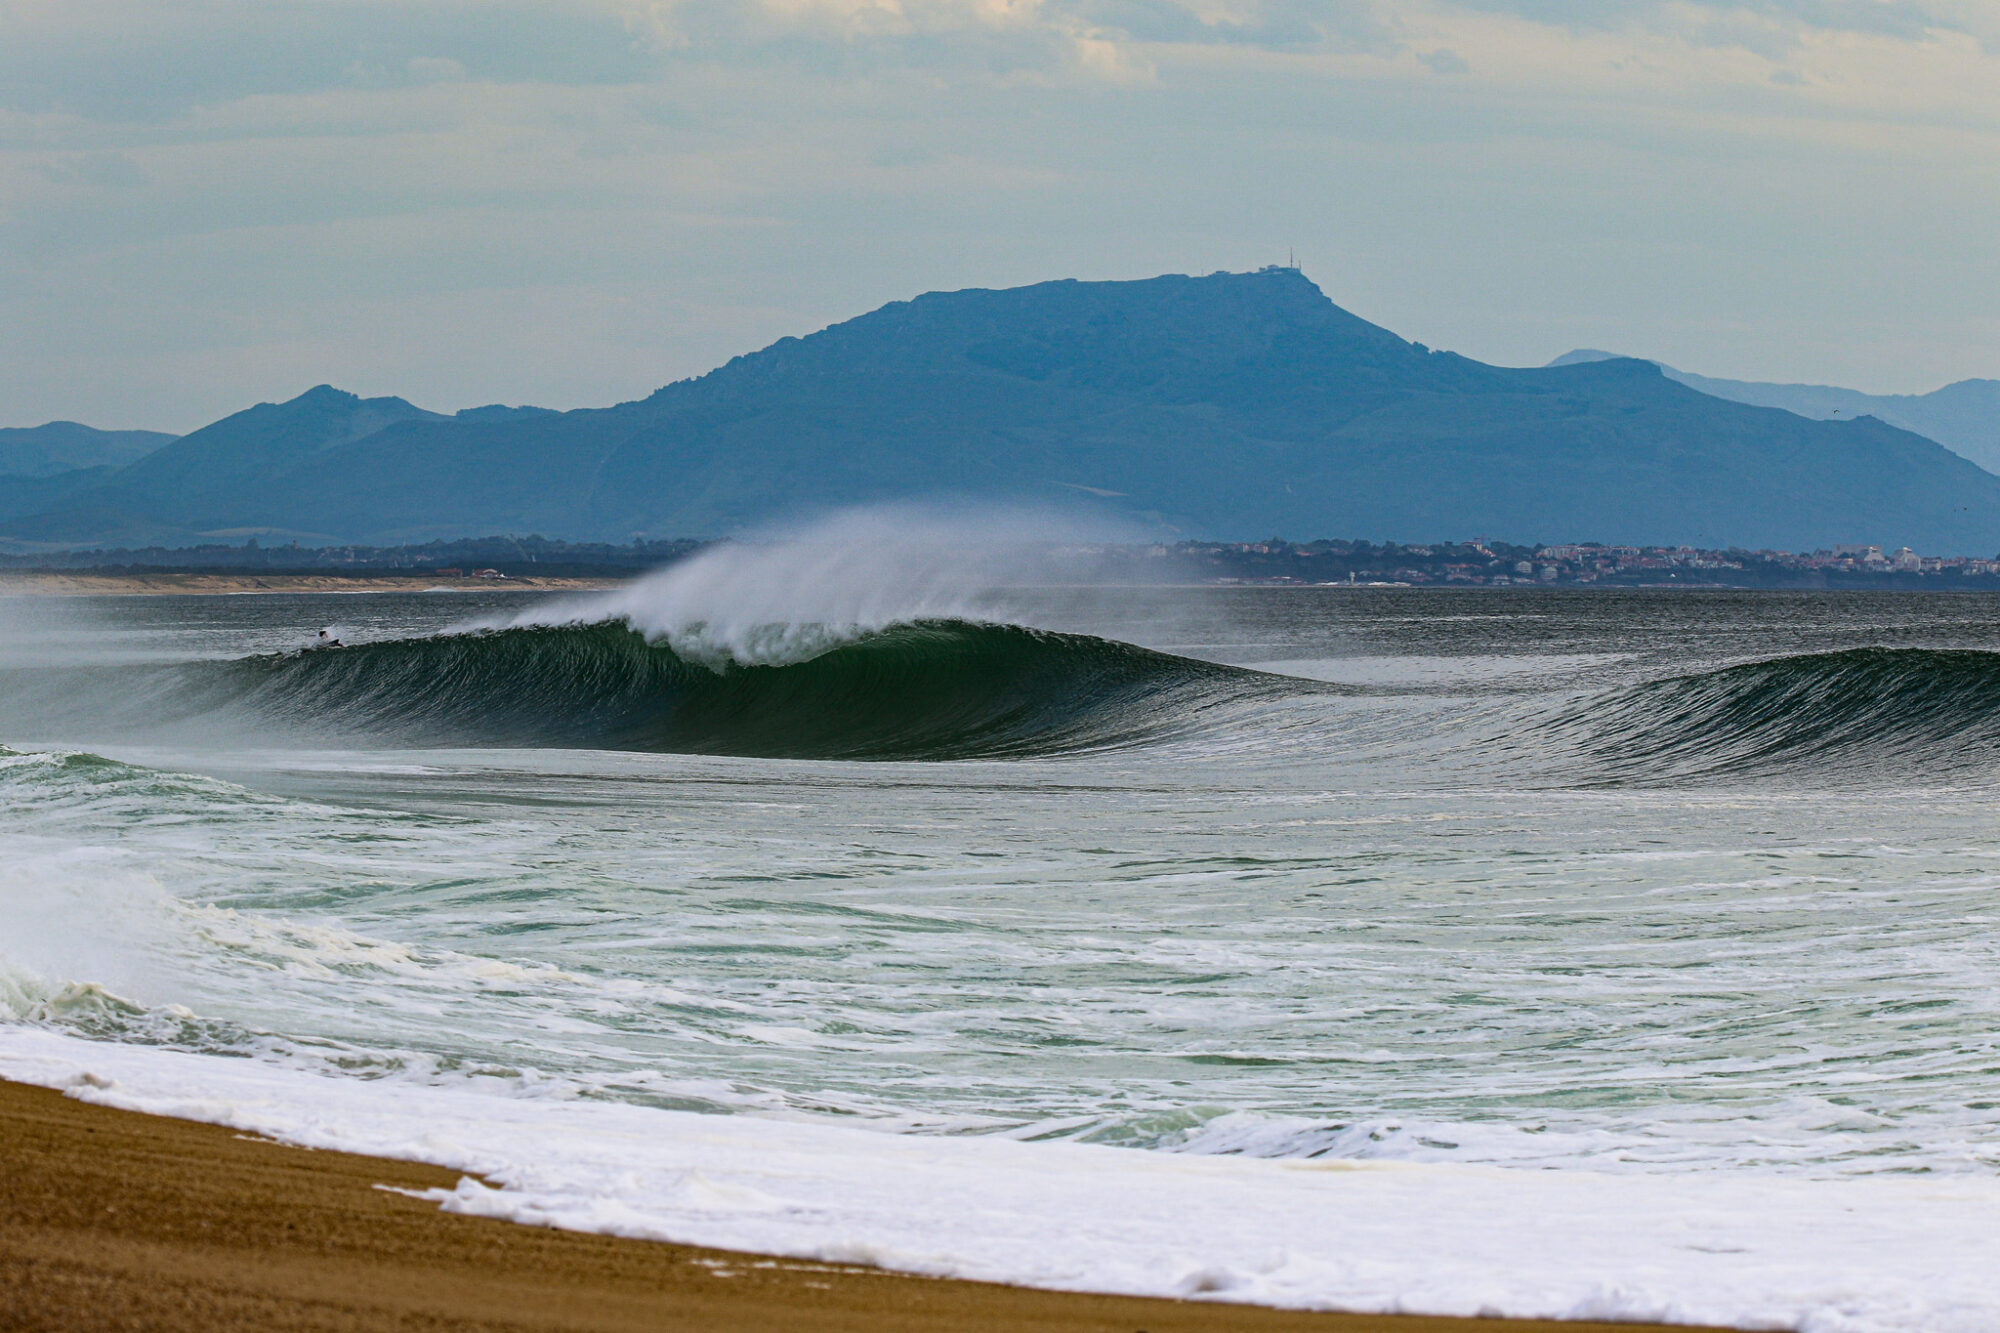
1867,713
928,689
953,688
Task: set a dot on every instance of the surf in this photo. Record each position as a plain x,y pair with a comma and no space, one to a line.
925,689
1860,714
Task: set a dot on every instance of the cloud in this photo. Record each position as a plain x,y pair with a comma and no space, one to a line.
205,202
435,69
1753,23
137,61
142,60
1279,25
104,170
858,39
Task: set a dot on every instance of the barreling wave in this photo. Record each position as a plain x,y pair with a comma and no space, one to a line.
927,689
1867,713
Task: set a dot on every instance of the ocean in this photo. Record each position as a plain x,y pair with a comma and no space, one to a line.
1586,954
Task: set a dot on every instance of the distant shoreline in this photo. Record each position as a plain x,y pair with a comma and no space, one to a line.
83,583
498,561
191,583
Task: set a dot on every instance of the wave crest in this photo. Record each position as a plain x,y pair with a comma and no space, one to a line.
1869,713
929,689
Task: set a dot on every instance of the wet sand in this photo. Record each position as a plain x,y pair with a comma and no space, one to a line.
85,583
114,1220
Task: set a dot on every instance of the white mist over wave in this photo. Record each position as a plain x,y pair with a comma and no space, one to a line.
40,631
782,597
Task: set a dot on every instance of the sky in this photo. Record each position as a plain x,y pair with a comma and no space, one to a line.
210,203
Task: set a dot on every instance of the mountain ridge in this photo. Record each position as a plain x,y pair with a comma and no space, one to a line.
1228,405
1963,416
56,447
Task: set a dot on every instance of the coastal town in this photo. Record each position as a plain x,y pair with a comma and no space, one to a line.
1272,562
1587,564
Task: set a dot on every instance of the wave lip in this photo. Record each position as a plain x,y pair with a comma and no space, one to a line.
1863,713
925,689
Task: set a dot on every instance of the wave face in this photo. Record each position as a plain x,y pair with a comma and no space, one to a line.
1867,712
932,689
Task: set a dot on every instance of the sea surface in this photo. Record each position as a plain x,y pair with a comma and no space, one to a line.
1694,893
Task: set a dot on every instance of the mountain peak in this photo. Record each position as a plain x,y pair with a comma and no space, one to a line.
326,398
1584,356
1177,332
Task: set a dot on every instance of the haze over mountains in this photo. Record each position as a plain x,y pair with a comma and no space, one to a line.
1226,406
67,446
39,465
1964,417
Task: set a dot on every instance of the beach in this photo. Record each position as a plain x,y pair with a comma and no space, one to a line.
117,1220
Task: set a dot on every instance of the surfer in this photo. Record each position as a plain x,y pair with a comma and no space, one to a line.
326,640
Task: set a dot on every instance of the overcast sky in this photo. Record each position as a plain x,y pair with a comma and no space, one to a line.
207,203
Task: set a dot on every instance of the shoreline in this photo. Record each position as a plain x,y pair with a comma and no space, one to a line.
120,1219
91,583
41,583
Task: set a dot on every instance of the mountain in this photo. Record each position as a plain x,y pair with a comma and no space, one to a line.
207,481
1964,417
66,446
1227,406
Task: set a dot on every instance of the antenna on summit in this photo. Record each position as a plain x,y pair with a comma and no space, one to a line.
1291,259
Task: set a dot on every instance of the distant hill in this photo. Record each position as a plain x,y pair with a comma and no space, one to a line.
242,476
1227,406
1964,417
66,446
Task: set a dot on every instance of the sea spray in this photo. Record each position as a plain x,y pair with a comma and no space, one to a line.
783,596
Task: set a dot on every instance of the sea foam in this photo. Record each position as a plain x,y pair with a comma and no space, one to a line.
1878,1255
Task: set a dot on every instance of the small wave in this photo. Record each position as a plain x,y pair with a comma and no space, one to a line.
930,689
1866,713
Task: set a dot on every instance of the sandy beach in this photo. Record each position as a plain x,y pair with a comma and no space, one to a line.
61,584
115,1220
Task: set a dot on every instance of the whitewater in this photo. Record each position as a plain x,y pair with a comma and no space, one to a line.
1622,955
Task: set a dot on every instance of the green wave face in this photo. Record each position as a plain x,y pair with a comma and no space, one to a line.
1866,712
942,689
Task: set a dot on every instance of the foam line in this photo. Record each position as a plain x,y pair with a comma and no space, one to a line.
1874,1255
